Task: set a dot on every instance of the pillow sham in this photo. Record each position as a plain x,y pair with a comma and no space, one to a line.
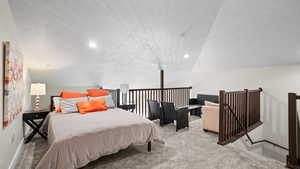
91,106
97,92
108,100
71,95
56,102
69,105
208,103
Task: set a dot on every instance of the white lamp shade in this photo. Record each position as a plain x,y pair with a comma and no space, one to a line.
124,88
38,89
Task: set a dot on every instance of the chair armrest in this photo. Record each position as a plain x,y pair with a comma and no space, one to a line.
182,107
182,118
182,110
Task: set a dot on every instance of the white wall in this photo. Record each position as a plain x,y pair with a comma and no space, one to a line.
276,81
11,136
252,33
246,41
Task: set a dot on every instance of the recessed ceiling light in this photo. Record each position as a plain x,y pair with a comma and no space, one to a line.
186,56
92,45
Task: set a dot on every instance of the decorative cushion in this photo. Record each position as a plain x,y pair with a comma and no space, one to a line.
69,105
91,106
108,100
97,92
71,95
56,102
208,103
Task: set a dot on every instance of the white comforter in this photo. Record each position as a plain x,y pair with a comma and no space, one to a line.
76,139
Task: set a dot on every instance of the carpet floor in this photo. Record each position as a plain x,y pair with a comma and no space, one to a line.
186,149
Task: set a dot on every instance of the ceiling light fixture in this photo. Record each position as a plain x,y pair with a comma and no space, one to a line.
92,45
186,56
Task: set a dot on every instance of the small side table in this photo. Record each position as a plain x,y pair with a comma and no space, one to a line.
35,120
127,107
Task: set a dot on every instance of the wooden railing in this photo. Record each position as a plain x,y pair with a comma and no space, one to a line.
293,158
239,113
180,96
253,106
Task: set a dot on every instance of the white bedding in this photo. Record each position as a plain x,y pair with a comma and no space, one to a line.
76,139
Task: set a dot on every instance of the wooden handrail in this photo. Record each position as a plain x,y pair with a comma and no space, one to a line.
246,104
256,90
246,131
179,96
160,88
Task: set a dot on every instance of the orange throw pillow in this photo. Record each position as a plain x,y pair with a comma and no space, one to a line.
97,92
91,106
71,95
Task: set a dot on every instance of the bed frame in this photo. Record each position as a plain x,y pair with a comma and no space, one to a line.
116,98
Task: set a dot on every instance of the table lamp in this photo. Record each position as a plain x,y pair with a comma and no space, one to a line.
37,90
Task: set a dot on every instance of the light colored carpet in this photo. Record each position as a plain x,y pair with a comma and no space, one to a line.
186,149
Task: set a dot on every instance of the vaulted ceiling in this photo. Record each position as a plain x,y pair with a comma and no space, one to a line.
132,36
135,38
252,33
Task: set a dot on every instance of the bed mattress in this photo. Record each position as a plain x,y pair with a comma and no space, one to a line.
75,139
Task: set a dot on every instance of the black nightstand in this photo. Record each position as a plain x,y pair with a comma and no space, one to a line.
35,120
127,107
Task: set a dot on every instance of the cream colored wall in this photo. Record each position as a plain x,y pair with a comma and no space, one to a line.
11,136
276,81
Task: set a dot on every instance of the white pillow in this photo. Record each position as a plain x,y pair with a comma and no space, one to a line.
208,103
108,100
69,105
56,102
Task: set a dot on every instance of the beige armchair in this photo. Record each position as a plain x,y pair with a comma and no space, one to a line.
210,118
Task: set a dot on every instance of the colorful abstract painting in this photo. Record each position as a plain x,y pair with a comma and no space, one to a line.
13,84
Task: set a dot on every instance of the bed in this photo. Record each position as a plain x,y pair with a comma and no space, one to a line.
76,139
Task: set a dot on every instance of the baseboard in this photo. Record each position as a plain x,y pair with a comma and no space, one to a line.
16,157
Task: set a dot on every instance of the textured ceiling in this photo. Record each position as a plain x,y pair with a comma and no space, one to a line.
130,34
136,37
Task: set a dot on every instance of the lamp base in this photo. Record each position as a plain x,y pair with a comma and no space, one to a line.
37,104
37,109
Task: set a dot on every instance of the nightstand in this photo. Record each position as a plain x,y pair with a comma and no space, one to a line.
35,120
127,107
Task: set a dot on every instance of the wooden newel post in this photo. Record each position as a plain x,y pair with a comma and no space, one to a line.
247,109
292,120
221,118
162,85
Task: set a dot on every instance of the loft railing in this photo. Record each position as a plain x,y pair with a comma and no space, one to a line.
253,101
246,131
179,96
293,158
239,113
